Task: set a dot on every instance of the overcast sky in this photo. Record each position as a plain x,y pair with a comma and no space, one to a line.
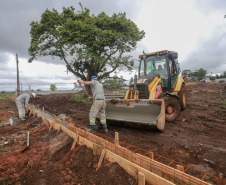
196,29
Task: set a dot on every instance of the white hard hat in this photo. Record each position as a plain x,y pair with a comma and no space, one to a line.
33,94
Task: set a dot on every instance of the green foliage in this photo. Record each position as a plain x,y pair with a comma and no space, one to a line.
114,83
97,43
4,149
224,106
53,87
186,72
201,74
212,78
131,80
4,95
221,76
79,97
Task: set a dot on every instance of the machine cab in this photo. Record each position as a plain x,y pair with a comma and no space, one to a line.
162,64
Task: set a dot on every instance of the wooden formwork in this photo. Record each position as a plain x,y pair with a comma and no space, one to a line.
142,166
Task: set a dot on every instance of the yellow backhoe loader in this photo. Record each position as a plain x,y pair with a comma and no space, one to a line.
156,96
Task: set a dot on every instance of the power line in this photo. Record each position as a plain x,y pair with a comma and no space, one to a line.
24,77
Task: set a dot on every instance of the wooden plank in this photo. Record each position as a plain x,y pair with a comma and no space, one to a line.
96,149
157,168
160,169
141,178
101,159
181,168
133,169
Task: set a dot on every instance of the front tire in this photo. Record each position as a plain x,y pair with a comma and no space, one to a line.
172,108
182,96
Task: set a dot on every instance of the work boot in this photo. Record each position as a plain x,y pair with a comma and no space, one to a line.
93,127
105,127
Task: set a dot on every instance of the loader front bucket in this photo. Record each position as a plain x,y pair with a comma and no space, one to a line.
143,113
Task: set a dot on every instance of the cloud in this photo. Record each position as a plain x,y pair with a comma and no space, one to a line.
209,6
210,56
195,29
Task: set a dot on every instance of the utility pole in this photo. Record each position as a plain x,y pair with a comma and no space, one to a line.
18,84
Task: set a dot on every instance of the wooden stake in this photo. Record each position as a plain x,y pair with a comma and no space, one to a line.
28,134
51,126
30,112
101,159
58,128
75,141
117,138
180,168
151,155
141,178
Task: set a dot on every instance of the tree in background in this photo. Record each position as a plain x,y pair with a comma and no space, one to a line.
201,74
53,87
221,75
88,44
114,83
212,78
131,80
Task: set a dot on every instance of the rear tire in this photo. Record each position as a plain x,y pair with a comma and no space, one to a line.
182,96
172,109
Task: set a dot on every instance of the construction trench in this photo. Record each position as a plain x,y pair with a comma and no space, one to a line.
197,139
144,165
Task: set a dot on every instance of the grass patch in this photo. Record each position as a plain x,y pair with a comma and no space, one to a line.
224,106
4,149
79,97
4,95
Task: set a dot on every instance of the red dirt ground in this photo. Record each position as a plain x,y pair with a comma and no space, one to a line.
197,139
49,158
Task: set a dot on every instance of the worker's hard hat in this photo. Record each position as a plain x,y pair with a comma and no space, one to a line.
93,77
33,94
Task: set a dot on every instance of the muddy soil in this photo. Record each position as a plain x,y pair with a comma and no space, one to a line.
49,159
197,139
